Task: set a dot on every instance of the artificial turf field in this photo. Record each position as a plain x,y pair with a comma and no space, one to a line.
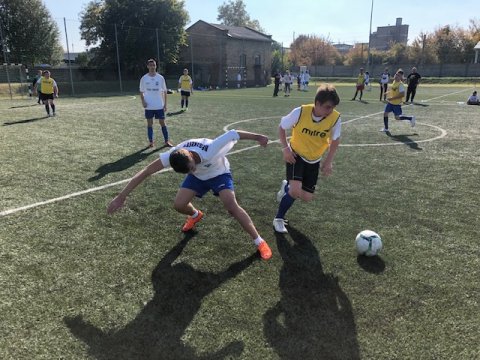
77,283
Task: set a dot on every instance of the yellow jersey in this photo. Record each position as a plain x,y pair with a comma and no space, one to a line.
185,82
310,139
361,79
396,88
47,85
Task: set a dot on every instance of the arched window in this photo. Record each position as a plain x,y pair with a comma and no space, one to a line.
257,59
243,60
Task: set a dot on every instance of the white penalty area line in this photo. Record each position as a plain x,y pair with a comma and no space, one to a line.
225,128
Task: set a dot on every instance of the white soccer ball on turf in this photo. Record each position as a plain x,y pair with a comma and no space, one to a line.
368,243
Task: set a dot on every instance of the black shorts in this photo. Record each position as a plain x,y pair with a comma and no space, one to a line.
305,172
45,97
184,93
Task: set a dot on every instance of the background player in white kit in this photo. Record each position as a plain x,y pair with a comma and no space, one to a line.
153,93
208,169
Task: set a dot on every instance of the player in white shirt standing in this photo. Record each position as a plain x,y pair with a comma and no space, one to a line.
153,93
207,168
384,80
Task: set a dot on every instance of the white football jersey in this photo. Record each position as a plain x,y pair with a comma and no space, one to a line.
212,154
152,88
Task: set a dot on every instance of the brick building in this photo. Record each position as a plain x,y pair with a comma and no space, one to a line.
216,54
385,36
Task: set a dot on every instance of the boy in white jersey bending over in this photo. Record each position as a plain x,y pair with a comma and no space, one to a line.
208,169
315,129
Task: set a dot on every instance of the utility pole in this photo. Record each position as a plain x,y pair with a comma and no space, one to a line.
423,48
369,38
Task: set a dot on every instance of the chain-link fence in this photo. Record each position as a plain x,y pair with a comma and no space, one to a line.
214,60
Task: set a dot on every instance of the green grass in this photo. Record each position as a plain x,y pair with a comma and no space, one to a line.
76,283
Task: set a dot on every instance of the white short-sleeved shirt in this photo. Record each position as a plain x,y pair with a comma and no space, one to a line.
287,79
152,88
213,161
384,78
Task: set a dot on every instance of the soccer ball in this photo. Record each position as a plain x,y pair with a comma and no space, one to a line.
368,243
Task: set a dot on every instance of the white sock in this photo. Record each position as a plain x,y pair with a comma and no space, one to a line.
258,240
195,214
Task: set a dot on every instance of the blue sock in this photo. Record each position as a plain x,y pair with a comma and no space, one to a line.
385,122
150,133
165,133
285,204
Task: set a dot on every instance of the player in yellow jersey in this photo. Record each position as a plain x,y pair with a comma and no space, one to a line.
360,85
394,100
49,90
315,128
185,84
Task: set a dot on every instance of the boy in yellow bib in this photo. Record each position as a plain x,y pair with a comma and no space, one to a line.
315,129
185,84
47,89
394,99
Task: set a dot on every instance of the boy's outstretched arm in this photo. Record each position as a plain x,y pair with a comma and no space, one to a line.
246,135
119,200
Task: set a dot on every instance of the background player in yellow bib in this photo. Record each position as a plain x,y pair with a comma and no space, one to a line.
47,89
185,84
360,85
315,128
394,100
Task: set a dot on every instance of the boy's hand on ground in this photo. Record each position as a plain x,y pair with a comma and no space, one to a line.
115,204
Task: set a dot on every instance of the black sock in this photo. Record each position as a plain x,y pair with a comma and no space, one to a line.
405,117
53,108
47,108
182,102
385,122
186,103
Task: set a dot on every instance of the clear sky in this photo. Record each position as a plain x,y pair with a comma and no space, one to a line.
346,21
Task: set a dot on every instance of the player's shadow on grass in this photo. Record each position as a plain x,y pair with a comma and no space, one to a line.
420,104
156,331
24,121
372,264
364,101
176,113
23,106
406,139
123,163
313,319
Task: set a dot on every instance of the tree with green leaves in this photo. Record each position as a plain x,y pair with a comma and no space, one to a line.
143,28
313,50
30,34
234,13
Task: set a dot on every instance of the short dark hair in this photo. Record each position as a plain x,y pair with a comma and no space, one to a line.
179,161
327,92
151,61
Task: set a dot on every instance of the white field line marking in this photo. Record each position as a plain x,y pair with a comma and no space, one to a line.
225,128
98,188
